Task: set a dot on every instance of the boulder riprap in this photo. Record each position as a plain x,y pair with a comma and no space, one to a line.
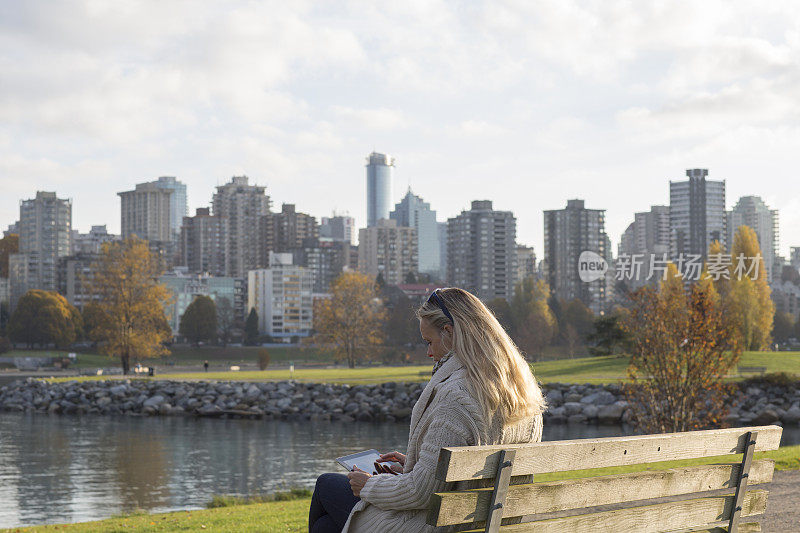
753,403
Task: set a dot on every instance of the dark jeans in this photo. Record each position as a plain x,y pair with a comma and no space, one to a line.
331,504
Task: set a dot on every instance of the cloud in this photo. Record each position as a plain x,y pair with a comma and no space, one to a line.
375,119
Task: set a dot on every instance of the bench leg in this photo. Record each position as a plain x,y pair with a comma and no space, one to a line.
741,486
501,481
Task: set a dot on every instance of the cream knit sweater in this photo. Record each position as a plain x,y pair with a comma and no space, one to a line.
446,414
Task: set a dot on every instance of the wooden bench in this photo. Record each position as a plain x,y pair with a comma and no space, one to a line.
680,499
751,370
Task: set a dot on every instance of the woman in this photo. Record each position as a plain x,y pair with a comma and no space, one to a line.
482,392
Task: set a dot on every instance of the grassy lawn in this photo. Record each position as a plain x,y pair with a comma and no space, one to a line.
607,369
293,515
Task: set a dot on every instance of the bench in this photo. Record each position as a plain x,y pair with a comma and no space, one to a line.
679,499
751,370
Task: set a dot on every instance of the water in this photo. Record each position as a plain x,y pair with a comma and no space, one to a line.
56,469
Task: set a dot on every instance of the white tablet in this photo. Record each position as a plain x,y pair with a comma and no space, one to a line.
364,460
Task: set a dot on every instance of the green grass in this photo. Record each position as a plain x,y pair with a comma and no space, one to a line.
606,369
292,515
263,517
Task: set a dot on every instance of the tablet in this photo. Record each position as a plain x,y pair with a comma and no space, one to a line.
364,460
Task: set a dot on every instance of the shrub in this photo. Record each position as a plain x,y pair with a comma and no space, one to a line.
263,358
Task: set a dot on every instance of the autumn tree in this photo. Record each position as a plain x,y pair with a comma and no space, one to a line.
199,321
503,313
749,295
44,317
682,345
577,323
128,319
350,323
251,332
8,245
534,322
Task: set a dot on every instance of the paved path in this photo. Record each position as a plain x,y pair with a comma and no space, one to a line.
783,503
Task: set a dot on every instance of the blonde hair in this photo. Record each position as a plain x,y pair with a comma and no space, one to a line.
500,377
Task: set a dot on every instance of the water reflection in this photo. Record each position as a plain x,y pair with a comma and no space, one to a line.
70,469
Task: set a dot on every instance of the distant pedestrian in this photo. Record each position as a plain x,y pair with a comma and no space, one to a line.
205,365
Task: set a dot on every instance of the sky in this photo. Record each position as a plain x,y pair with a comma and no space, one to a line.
525,103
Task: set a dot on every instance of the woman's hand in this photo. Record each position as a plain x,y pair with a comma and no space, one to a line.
394,456
358,478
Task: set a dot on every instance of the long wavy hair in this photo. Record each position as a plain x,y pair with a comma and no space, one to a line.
500,377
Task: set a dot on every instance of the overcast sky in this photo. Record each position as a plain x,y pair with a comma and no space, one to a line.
526,103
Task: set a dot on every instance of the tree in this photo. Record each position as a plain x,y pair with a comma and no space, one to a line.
226,320
577,323
749,296
8,245
410,277
44,317
783,327
534,322
608,336
401,326
199,321
127,317
251,332
350,323
682,345
502,312
263,359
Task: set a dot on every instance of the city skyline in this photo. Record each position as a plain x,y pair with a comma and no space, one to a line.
514,104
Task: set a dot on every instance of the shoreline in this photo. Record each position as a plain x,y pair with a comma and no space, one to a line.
754,403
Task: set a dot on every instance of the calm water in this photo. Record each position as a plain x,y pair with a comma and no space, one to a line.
69,469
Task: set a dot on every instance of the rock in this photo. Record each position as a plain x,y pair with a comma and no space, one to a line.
766,417
573,397
599,398
573,408
610,414
590,411
153,401
554,397
792,416
103,401
579,418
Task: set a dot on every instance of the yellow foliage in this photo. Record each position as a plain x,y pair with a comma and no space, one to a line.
128,318
351,322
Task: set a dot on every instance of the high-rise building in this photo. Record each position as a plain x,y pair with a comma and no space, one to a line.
442,229
526,262
75,276
413,212
242,205
45,231
146,212
282,296
186,286
389,250
326,259
379,187
178,204
204,243
753,212
794,256
482,251
285,232
338,228
567,234
92,242
696,214
647,236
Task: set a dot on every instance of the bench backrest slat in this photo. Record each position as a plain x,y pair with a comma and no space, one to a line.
480,462
650,518
464,507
